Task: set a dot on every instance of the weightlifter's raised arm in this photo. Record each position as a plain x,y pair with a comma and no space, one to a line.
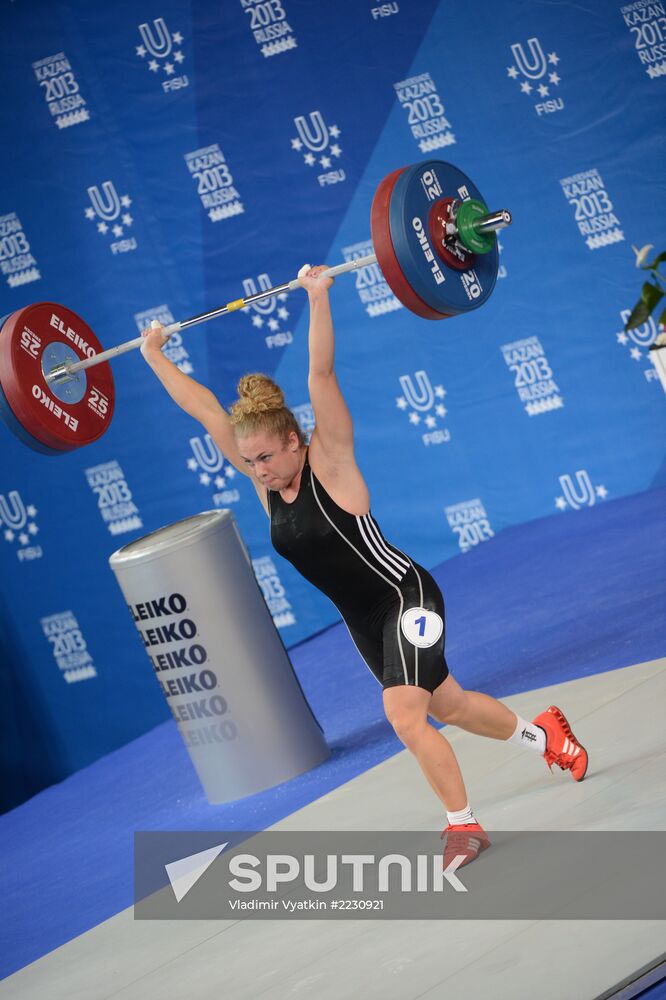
334,426
190,395
194,398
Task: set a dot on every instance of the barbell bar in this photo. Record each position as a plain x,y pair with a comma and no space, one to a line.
433,239
63,372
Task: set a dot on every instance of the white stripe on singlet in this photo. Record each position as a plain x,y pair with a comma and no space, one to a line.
418,576
374,570
364,530
378,542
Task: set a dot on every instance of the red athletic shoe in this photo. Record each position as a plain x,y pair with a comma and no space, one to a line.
468,839
562,747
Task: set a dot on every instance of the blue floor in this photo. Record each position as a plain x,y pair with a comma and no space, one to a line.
559,598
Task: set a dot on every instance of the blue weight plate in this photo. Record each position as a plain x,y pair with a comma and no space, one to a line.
443,288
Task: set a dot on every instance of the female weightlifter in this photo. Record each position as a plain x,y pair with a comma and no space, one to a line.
320,520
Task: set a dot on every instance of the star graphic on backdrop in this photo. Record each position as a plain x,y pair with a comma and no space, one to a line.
560,503
204,479
31,511
297,145
126,201
622,338
335,131
282,313
127,219
309,159
177,37
335,149
179,57
526,87
220,482
512,71
90,213
282,297
554,78
257,321
23,538
168,68
440,391
325,162
140,51
9,535
430,421
553,58
440,410
414,418
401,403
102,227
543,90
153,65
601,492
192,464
33,529
230,472
117,230
636,354
273,325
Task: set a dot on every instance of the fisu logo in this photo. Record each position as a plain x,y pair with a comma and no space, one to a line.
106,207
164,48
534,65
268,312
156,39
315,136
639,337
419,396
209,459
424,403
579,494
18,522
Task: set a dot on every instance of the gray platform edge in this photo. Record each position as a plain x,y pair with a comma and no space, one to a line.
632,986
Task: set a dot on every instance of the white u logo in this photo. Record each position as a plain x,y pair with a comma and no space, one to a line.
265,306
161,46
13,519
110,209
315,134
213,460
537,67
425,397
643,335
583,496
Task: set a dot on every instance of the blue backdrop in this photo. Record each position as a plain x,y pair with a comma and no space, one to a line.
162,158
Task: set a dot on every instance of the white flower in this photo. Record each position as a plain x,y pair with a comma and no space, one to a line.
642,254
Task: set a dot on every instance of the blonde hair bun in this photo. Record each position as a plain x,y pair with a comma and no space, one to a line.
258,394
261,408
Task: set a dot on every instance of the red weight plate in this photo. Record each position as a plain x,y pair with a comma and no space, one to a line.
385,253
55,422
454,254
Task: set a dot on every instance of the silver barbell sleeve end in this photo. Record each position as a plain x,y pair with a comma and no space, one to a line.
60,373
494,221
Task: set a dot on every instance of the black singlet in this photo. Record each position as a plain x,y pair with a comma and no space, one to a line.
393,608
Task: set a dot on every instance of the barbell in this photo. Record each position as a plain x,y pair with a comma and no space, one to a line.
433,238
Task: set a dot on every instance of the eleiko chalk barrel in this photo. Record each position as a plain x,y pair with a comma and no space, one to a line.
218,656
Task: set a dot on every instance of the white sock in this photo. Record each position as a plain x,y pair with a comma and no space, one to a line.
462,816
528,735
